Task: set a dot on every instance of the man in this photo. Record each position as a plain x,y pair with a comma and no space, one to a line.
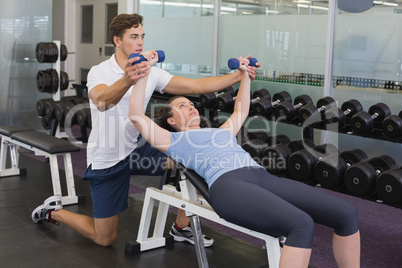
114,146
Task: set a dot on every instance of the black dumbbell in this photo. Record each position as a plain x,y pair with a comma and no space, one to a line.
257,135
83,116
275,158
40,106
287,109
255,144
278,139
363,122
360,179
392,125
255,148
50,108
302,163
209,100
308,110
348,109
298,145
267,108
45,123
225,102
260,96
329,171
389,186
62,109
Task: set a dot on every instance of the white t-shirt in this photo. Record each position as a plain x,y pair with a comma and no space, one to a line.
113,136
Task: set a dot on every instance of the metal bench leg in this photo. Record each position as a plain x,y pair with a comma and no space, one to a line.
71,197
3,155
14,157
198,241
273,251
157,240
54,170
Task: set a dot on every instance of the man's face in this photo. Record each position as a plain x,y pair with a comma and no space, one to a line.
132,41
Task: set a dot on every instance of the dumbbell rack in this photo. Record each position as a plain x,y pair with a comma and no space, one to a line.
54,125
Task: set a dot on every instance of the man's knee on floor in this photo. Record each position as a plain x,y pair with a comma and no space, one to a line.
106,240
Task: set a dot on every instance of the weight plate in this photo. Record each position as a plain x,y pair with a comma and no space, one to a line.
360,179
389,186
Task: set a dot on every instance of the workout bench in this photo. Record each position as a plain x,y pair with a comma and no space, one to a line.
43,144
195,206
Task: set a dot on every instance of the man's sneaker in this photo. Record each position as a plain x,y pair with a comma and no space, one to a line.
186,234
43,212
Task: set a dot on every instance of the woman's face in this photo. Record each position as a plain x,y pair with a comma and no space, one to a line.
185,115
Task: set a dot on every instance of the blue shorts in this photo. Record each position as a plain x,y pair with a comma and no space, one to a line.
109,187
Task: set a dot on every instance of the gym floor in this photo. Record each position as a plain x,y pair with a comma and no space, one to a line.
25,244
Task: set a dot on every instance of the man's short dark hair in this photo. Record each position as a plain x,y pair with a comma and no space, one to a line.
123,22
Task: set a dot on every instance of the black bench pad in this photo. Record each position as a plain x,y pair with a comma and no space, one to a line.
198,182
10,130
45,142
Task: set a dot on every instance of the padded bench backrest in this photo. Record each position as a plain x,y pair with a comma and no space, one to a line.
10,130
45,142
198,182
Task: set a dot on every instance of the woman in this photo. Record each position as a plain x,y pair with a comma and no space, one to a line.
241,191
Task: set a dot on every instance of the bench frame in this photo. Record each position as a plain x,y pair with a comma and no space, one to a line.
195,206
14,145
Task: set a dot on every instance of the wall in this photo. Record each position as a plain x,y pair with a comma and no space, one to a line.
22,25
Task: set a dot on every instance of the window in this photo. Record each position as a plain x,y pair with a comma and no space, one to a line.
87,24
111,12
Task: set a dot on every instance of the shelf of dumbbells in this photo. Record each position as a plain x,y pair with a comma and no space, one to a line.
303,109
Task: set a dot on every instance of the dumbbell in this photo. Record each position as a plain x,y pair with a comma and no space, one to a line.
40,106
83,116
208,100
348,109
260,96
50,109
225,102
329,171
287,109
255,144
277,139
298,145
161,57
389,186
62,109
301,164
47,52
392,125
360,179
233,63
255,148
363,122
308,110
267,108
275,157
257,135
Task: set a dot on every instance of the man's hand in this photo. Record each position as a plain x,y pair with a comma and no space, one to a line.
252,71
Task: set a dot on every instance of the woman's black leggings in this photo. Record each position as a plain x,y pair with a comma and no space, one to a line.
255,199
